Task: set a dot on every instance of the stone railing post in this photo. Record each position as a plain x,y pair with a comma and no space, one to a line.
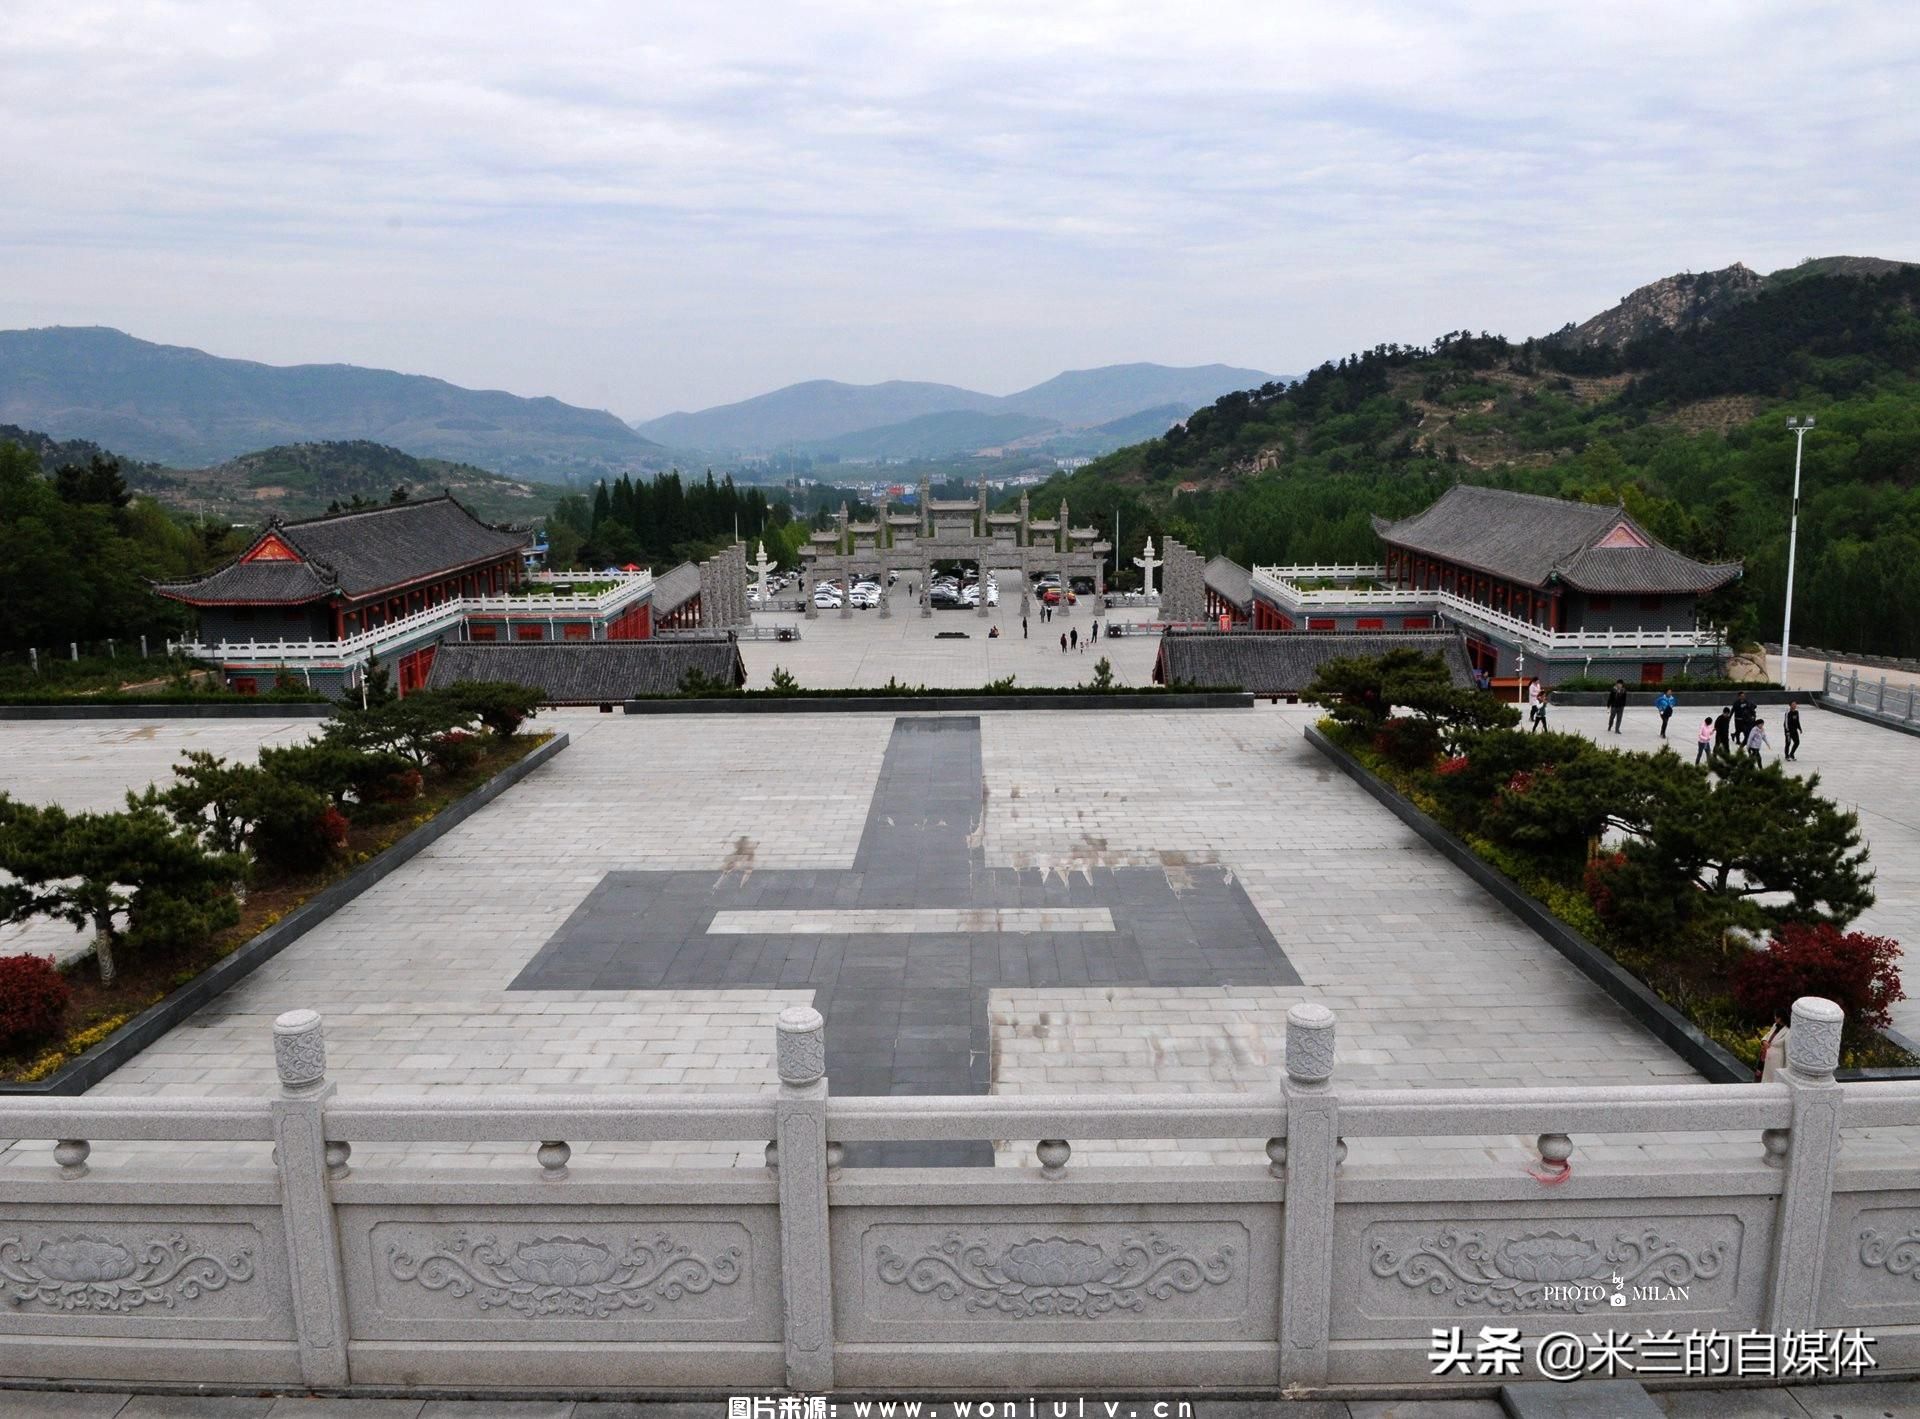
800,1137
313,1238
1800,1237
1312,1153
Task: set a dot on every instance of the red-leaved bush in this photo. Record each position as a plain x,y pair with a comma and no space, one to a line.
33,1001
1857,972
332,827
1447,768
1598,880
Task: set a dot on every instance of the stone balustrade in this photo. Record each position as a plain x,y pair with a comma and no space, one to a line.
1297,1270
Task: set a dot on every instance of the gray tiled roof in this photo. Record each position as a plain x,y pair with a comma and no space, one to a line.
674,589
1286,662
1532,540
590,672
1228,579
354,554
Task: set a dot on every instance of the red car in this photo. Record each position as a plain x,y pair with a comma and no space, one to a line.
1052,597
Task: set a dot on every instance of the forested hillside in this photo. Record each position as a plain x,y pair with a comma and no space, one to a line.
1686,425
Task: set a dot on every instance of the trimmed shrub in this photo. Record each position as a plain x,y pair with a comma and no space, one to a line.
500,705
293,832
1857,972
454,752
33,1002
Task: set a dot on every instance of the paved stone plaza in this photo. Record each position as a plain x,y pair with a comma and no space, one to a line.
435,982
866,650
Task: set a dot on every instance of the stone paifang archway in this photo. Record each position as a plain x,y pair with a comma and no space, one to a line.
953,530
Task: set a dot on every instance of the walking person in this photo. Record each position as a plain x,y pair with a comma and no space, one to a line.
1743,714
1722,727
1665,703
1703,746
1757,740
1537,716
1023,625
1616,706
1063,643
1073,637
1793,730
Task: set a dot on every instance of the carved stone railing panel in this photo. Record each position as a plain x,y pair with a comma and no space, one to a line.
1872,1276
1085,1275
208,1273
1402,1270
530,1273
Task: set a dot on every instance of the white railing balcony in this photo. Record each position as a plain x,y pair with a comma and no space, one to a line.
348,650
628,587
1283,583
351,650
1472,613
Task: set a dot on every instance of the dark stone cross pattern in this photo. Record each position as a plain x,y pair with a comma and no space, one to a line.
906,1011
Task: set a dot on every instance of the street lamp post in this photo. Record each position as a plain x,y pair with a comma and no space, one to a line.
1800,427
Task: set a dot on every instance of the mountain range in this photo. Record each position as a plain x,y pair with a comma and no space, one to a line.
906,418
186,408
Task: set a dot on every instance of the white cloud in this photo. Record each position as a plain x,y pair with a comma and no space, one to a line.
661,206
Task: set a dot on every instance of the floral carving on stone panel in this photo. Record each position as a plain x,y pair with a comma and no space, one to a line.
1514,1273
564,1275
85,1272
1895,1255
1056,1276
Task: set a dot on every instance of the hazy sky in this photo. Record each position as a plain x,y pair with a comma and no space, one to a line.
651,206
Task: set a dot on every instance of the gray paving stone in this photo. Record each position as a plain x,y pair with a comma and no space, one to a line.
1583,1399
1426,1409
1729,1404
54,1404
1875,1399
498,1409
196,1406
326,1407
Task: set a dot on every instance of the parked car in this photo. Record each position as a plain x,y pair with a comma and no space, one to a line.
826,600
863,599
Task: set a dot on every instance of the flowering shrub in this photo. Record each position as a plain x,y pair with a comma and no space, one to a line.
1857,972
333,828
33,1001
1447,768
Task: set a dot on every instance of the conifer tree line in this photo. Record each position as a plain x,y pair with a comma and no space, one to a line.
658,522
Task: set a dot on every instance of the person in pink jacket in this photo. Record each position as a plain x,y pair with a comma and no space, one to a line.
1704,743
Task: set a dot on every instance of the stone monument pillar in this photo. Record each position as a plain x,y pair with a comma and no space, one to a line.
1147,562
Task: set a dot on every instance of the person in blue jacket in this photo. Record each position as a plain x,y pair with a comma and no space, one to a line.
1665,704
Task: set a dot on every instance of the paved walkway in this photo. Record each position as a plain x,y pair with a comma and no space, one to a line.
1869,1400
1868,768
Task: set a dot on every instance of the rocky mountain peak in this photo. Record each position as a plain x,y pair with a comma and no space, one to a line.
1674,302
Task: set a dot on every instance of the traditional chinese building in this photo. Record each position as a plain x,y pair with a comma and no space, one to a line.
1540,586
323,599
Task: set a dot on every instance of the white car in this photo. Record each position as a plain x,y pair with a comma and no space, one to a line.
863,599
826,599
